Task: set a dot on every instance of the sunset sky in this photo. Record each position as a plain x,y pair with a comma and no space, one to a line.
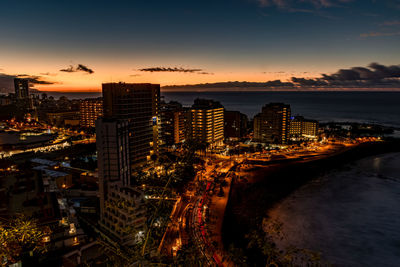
190,42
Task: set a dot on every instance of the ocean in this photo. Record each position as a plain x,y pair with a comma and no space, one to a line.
371,107
350,215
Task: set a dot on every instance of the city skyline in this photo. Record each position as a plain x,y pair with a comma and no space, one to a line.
199,133
78,46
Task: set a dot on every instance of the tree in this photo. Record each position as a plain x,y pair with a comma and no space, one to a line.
21,235
273,255
188,255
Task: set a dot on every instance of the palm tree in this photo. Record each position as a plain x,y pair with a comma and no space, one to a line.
19,236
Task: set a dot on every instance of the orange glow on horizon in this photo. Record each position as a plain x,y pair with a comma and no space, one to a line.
92,83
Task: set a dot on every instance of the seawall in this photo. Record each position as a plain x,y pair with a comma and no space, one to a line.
249,202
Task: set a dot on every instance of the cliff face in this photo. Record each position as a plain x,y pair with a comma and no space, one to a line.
249,202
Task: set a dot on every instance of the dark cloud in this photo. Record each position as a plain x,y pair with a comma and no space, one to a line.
48,74
84,68
69,69
77,68
7,80
382,71
205,73
278,83
169,69
236,84
373,76
274,72
302,82
33,79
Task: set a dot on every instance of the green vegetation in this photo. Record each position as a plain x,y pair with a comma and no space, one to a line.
21,237
262,242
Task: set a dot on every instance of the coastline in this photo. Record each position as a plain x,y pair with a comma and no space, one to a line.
250,201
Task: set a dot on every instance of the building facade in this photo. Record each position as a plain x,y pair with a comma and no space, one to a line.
122,208
90,110
139,104
303,128
173,123
272,124
235,124
207,122
180,130
62,118
21,87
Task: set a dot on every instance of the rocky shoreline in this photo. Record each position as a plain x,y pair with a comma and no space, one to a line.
250,200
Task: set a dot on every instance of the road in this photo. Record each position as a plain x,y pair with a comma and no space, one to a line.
189,216
198,214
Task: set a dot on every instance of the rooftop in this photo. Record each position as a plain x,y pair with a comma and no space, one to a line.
44,162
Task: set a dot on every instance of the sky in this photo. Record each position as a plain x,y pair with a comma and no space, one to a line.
78,45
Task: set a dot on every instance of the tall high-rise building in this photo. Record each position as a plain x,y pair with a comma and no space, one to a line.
112,141
301,127
180,130
173,123
207,121
90,109
121,205
21,88
235,124
272,124
139,104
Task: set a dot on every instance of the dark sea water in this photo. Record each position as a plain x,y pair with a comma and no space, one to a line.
351,215
374,107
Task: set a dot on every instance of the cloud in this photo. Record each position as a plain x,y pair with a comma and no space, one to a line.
205,73
375,75
169,69
298,5
77,68
135,75
303,82
274,72
235,84
391,23
33,79
175,69
48,74
378,34
278,3
84,68
7,80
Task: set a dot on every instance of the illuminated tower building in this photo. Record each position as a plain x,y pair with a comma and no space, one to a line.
180,126
90,109
139,104
207,122
21,88
310,128
272,124
303,128
173,123
121,205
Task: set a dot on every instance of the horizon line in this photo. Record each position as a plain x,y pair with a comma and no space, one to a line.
253,89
